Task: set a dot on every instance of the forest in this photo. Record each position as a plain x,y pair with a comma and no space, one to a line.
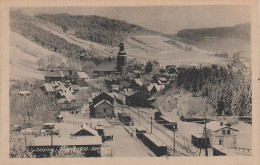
190,36
228,93
26,26
96,28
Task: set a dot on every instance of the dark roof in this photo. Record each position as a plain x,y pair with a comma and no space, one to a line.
75,87
101,102
85,131
55,74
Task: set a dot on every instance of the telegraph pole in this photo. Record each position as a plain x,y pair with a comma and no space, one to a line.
138,116
205,130
51,137
174,141
151,125
25,141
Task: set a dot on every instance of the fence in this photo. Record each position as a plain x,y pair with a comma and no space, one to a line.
73,122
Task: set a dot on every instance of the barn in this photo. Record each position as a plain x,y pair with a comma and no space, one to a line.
138,99
54,76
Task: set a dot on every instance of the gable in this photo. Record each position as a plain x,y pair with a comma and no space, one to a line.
83,132
103,96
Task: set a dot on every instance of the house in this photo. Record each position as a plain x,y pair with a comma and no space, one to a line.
97,97
57,85
137,83
85,131
74,89
139,99
47,88
170,68
154,88
24,93
102,109
221,134
102,105
162,81
42,146
80,76
115,88
54,76
223,54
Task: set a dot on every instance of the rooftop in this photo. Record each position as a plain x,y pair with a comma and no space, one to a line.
101,102
215,126
88,129
67,141
82,75
48,87
55,74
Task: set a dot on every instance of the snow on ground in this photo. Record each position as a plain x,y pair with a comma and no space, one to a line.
156,48
24,55
123,145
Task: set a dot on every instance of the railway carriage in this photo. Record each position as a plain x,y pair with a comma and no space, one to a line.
165,121
154,144
125,118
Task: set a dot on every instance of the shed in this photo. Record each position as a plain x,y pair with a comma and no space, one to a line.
198,139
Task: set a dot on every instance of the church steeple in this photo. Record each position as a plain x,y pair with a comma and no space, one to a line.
122,60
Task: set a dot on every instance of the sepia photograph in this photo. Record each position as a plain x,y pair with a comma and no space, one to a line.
130,81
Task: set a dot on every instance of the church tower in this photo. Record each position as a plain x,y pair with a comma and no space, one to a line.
122,60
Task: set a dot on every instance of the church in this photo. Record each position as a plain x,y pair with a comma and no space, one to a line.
119,69
122,60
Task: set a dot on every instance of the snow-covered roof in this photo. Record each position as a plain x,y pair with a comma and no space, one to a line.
215,126
24,92
101,102
67,141
86,128
54,74
139,82
82,75
48,87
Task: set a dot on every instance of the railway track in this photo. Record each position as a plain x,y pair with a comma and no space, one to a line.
170,149
170,137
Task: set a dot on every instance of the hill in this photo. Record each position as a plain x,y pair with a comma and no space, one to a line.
220,39
29,27
34,37
24,56
96,28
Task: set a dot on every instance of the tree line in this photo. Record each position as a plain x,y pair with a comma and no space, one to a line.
95,28
228,93
26,26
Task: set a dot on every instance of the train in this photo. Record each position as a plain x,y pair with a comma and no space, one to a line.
153,143
125,119
168,123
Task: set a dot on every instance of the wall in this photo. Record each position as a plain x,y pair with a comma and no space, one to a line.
99,111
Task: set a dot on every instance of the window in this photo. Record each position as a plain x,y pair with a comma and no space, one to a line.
228,132
105,110
220,142
223,132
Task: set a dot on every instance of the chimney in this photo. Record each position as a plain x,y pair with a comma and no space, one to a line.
221,123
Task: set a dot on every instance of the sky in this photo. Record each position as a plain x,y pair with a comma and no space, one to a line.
165,19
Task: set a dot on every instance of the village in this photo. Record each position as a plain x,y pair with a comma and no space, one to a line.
123,121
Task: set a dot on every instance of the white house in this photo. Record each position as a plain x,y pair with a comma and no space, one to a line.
221,134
